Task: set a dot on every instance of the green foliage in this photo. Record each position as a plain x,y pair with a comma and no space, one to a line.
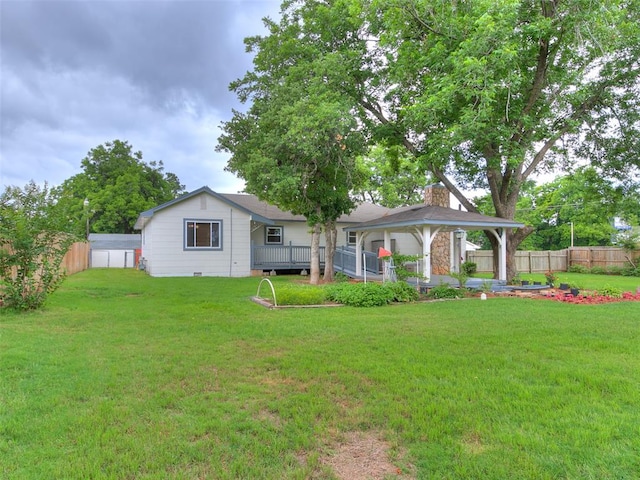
443,291
609,291
296,294
360,294
119,185
627,271
461,276
400,261
340,277
402,291
393,177
578,269
33,242
469,268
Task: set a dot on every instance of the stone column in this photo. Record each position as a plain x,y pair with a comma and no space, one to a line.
438,195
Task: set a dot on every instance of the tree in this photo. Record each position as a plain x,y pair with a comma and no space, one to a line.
393,178
483,93
118,185
33,242
583,201
297,145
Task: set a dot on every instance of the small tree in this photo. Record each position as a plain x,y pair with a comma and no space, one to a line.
33,243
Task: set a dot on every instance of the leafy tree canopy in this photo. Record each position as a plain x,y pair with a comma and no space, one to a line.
393,178
118,185
584,198
482,93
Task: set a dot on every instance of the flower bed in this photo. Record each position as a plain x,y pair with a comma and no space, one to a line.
592,299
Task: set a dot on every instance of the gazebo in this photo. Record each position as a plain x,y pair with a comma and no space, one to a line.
427,222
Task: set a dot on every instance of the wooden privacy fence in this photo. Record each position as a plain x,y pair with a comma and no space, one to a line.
77,258
557,260
601,257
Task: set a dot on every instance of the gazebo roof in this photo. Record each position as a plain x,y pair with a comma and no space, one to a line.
420,215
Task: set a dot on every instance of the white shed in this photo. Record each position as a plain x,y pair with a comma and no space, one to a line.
114,250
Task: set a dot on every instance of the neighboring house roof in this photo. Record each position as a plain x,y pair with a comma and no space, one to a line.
262,211
406,217
115,241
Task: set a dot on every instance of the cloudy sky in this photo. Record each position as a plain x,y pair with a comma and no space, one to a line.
75,74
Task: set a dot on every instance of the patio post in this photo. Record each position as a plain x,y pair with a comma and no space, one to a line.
503,255
426,251
359,241
387,240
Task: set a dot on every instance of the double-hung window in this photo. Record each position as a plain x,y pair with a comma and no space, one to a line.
351,238
273,236
203,234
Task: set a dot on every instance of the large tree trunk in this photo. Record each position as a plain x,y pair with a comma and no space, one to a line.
331,236
314,277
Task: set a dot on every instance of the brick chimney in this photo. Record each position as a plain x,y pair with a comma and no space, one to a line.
437,195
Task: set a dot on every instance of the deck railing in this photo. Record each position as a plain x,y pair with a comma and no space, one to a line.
345,261
292,257
282,257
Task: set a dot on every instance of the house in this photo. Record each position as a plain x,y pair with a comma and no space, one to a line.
114,250
205,233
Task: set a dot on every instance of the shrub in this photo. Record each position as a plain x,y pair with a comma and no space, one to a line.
614,270
598,270
469,268
400,261
300,295
578,269
33,243
445,291
609,291
359,294
630,271
402,291
340,277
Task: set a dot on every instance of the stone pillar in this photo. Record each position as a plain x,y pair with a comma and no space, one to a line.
438,195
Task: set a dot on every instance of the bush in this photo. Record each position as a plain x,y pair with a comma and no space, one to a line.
402,291
469,268
578,269
300,295
360,294
445,291
630,271
598,270
609,291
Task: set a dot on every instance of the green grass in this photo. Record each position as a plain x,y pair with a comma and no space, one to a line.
127,376
584,280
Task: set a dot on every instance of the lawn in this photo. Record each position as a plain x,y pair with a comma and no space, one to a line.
127,376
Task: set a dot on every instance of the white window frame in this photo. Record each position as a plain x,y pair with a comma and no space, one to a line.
267,235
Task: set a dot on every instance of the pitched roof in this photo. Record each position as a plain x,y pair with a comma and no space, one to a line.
405,217
262,211
362,213
145,216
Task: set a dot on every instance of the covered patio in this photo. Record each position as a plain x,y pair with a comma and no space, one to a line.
424,223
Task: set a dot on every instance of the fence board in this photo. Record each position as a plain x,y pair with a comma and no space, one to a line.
557,260
77,258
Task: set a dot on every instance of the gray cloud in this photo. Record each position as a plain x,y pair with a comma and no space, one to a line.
76,74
